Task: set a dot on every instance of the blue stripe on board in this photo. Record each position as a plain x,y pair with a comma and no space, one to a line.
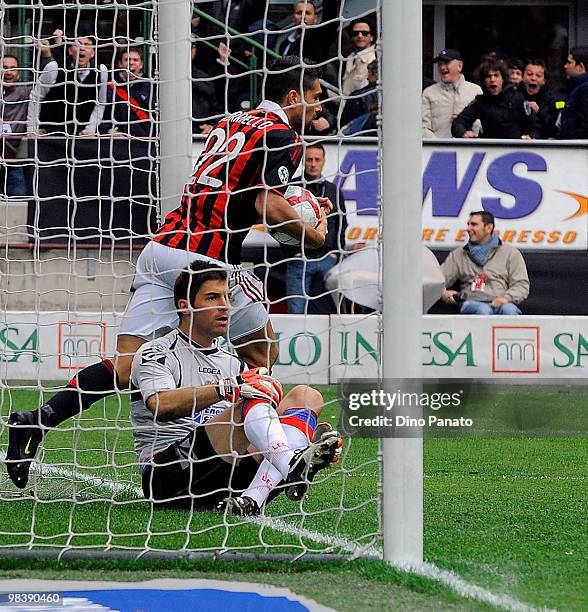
211,600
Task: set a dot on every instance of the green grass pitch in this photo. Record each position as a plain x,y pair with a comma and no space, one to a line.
505,513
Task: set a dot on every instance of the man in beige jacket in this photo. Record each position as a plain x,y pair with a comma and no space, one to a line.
442,102
492,276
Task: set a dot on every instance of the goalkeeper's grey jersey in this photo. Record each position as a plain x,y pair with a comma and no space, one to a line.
171,362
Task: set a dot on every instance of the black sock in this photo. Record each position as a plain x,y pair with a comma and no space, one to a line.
88,386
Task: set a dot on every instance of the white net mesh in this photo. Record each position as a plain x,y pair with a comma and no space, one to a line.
81,198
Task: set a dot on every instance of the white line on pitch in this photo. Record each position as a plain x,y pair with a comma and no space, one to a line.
426,570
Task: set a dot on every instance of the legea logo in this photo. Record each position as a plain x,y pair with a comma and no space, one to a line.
515,349
80,343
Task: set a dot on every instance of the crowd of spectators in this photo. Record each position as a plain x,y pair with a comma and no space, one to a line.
71,94
512,99
75,94
79,91
315,35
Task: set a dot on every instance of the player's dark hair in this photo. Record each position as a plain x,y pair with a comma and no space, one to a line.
537,62
9,55
580,55
285,75
487,217
192,278
493,66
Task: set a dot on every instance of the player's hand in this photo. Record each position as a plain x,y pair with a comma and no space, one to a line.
325,204
469,134
448,296
251,384
257,383
322,227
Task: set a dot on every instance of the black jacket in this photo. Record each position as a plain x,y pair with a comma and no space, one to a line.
70,103
574,117
336,221
547,114
506,115
360,102
238,14
130,108
205,105
315,46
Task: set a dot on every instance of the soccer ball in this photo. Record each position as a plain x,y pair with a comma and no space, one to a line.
306,206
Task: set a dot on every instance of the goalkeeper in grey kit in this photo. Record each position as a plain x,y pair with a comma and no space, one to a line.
209,432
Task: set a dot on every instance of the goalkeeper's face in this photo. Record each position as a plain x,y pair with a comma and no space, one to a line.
208,316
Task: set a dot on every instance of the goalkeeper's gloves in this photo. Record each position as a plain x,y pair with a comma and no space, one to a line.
251,384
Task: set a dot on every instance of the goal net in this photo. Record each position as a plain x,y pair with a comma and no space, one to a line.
88,173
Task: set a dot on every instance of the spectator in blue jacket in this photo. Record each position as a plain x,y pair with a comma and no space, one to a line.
130,103
502,110
574,117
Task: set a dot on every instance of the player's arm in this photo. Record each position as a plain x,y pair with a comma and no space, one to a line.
170,404
274,209
156,374
176,403
282,164
461,127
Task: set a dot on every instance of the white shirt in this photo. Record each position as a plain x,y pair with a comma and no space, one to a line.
47,80
273,107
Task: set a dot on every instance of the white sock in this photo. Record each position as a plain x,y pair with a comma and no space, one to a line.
296,439
264,430
267,476
264,481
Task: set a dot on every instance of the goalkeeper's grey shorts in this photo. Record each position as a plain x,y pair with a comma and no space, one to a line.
152,308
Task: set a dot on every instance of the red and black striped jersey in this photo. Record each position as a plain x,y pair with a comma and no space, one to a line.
245,152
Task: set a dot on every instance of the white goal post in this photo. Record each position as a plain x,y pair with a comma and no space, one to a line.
86,478
402,481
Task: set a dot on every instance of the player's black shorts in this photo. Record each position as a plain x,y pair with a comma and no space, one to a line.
189,474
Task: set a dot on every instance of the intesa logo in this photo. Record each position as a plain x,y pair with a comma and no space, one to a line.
80,343
516,349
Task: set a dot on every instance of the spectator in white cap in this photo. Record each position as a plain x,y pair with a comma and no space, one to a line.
443,101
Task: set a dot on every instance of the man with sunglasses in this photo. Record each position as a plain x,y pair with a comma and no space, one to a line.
356,64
